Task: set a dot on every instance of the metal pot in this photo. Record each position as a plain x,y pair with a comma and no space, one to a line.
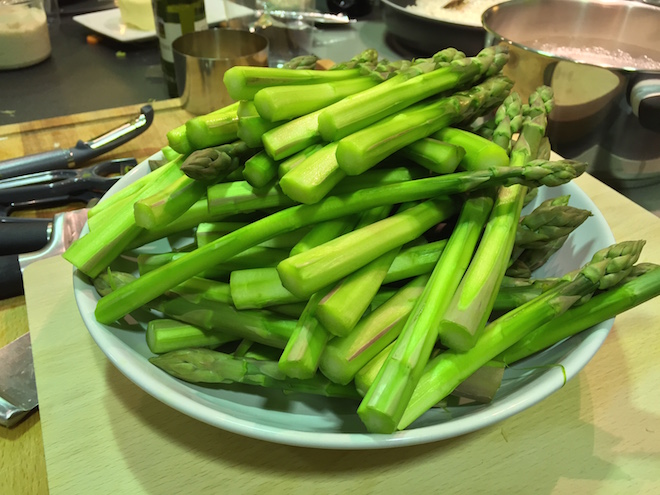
423,36
602,59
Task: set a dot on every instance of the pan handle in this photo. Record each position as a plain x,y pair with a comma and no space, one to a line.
645,103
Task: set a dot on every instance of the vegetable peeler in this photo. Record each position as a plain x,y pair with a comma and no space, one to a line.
82,152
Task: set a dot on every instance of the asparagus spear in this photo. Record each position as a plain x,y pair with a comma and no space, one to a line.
342,307
451,367
548,222
155,283
365,148
208,366
387,398
644,284
279,103
314,178
508,121
362,109
471,305
310,271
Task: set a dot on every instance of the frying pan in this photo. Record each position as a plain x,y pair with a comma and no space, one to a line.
423,36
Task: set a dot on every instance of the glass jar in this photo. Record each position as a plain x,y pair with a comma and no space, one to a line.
24,38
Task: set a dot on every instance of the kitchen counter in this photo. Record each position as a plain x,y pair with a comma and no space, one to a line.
98,433
80,77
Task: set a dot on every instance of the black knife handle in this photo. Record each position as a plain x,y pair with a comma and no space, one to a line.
23,237
11,278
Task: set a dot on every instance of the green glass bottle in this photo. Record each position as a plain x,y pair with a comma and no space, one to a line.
173,19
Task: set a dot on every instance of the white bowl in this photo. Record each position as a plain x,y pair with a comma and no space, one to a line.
320,422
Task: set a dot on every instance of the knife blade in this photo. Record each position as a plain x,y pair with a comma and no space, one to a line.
18,388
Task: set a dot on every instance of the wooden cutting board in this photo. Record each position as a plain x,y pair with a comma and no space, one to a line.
102,434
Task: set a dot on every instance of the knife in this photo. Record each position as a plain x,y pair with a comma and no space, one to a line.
64,229
82,152
18,389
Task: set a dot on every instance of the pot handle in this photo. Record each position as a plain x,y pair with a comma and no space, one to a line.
645,103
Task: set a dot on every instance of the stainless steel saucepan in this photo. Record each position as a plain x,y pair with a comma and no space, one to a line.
602,59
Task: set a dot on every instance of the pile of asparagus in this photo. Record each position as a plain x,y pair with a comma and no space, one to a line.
357,234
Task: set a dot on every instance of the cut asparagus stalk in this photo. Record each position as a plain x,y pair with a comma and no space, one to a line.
260,169
344,356
213,129
324,232
366,376
257,325
436,155
230,198
178,140
208,232
131,190
387,398
165,335
343,306
257,288
414,260
296,159
479,152
277,103
197,289
314,178
243,82
293,136
300,358
251,125
308,272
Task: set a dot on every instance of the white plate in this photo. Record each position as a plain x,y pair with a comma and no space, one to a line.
332,423
109,23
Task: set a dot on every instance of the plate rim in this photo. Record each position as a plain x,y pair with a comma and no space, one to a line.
170,390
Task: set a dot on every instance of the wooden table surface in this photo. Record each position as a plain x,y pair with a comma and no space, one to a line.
600,434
